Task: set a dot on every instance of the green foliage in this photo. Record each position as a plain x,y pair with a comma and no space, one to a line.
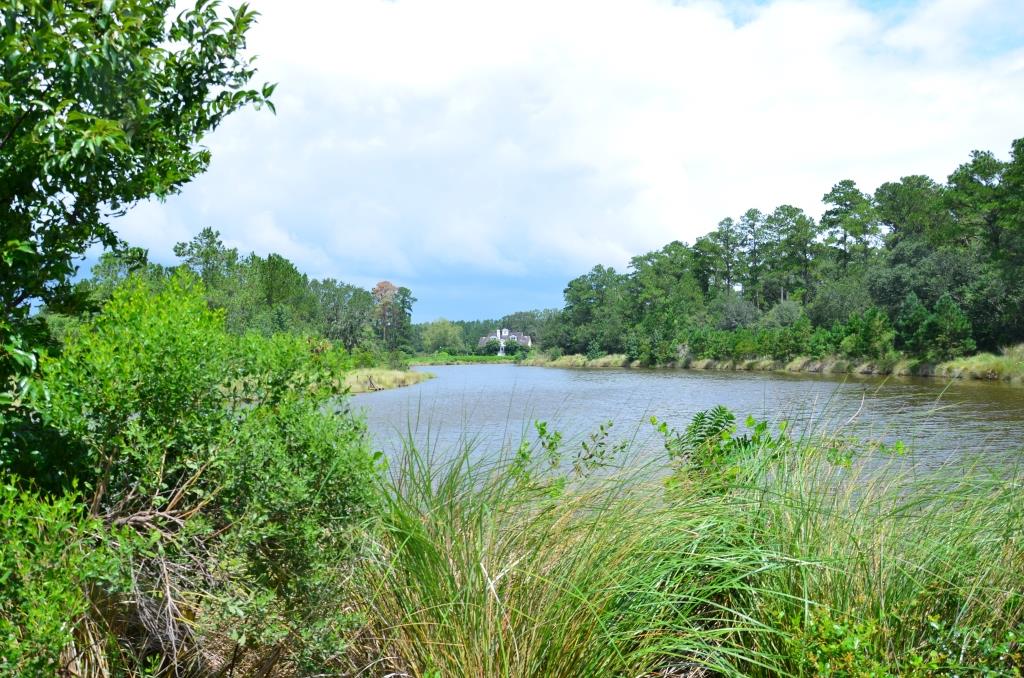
443,335
822,646
910,326
269,295
734,311
774,557
221,452
102,105
53,561
947,331
711,447
868,335
489,348
868,258
139,388
783,314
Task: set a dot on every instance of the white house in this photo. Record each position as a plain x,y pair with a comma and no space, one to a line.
504,336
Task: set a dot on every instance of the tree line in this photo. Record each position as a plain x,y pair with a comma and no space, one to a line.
267,295
916,268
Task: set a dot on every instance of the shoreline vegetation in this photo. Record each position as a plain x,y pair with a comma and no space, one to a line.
369,379
1007,367
917,277
464,359
759,555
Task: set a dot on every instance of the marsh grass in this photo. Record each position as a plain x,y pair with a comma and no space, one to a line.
578,361
804,557
378,379
1007,366
447,359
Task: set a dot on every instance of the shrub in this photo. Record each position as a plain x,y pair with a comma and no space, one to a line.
222,453
947,331
139,388
52,561
868,335
783,314
490,348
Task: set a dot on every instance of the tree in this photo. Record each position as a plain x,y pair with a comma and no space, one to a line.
393,315
850,221
666,298
734,311
113,268
794,244
491,347
754,243
596,305
974,198
913,207
102,105
208,258
729,240
910,326
443,335
947,331
344,312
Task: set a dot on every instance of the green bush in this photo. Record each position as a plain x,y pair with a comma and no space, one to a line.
140,388
221,452
947,331
52,562
868,335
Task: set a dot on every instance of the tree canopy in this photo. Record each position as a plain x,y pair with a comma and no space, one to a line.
927,269
102,105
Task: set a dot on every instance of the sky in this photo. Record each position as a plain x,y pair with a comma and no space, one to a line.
484,153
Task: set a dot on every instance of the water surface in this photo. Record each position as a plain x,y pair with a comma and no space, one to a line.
495,406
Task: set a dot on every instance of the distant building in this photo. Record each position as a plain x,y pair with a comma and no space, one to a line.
503,336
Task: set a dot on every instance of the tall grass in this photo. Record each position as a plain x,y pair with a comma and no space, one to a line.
789,561
1007,366
368,379
578,361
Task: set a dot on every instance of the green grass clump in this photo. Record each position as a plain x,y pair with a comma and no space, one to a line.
1007,366
756,555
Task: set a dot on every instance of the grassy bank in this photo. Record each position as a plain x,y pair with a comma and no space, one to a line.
542,360
1007,366
762,557
380,379
446,359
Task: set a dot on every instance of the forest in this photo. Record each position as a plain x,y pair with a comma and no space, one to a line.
262,295
915,269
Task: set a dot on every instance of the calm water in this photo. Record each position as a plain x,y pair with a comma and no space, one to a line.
495,405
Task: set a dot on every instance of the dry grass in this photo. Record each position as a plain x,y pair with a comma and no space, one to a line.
378,379
579,361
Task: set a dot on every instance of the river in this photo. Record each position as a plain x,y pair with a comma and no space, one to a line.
494,407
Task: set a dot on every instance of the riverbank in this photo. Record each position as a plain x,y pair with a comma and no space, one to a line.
379,379
446,359
1008,366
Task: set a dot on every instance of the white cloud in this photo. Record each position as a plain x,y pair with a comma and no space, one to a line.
422,139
